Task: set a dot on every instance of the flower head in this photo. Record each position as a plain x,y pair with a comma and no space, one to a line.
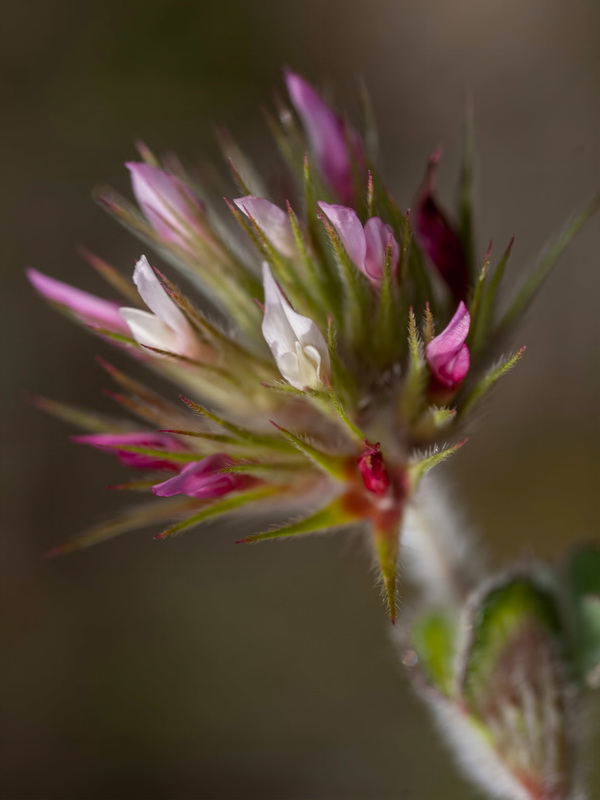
166,328
367,246
298,346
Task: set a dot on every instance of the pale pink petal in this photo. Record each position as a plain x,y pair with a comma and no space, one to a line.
93,310
272,220
378,236
350,230
169,205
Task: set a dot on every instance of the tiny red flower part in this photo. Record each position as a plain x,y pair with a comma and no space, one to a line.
373,470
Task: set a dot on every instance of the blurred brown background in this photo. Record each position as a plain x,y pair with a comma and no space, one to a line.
198,670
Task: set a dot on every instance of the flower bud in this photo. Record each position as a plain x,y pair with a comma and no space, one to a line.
150,440
437,237
367,247
90,309
169,205
329,138
272,220
298,346
203,479
373,470
447,354
165,329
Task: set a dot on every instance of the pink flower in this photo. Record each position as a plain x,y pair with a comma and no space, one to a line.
447,354
153,441
328,137
272,220
438,238
373,470
169,205
90,309
203,479
366,247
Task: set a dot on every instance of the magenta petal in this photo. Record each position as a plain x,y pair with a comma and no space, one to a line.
378,236
438,239
169,205
92,310
155,441
327,136
202,479
350,230
447,354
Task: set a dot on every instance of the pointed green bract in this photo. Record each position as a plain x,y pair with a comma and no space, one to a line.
329,517
486,383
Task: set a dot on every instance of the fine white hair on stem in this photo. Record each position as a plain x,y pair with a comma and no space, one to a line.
437,547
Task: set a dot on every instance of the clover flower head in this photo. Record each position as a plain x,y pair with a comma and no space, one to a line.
302,346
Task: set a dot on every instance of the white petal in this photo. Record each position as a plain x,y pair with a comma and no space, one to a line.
147,329
157,299
298,346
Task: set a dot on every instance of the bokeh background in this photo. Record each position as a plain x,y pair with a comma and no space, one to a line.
198,670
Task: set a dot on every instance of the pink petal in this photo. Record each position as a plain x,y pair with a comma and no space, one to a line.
378,236
447,354
327,136
272,220
169,205
350,230
202,479
92,310
438,239
155,441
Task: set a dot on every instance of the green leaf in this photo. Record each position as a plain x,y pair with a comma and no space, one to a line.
518,609
466,201
417,469
434,638
488,380
329,517
584,585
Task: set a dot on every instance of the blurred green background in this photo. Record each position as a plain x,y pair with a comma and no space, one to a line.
199,670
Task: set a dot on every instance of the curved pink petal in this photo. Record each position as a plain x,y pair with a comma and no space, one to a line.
447,354
326,135
378,236
93,310
154,441
203,480
350,230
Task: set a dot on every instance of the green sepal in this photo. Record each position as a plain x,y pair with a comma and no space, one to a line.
485,384
466,187
80,417
224,505
127,521
333,515
332,465
418,468
546,262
